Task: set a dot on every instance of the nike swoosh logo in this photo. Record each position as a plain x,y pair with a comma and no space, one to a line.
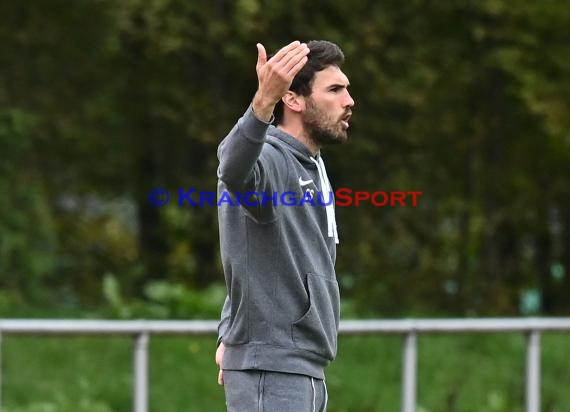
304,182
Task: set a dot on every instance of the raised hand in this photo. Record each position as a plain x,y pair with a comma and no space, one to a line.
276,75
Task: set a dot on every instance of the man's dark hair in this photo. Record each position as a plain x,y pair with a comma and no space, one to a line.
322,55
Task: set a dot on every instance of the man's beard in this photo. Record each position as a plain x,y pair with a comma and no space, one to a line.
321,128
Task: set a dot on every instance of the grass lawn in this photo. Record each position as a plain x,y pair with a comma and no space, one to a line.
457,373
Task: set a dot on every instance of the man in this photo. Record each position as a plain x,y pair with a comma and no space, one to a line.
279,323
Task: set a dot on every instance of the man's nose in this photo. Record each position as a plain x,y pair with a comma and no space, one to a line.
349,101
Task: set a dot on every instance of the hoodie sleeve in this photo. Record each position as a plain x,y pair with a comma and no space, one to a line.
224,321
239,152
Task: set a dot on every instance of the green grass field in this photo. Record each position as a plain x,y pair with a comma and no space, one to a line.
467,373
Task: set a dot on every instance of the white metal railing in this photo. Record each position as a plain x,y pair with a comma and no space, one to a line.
410,328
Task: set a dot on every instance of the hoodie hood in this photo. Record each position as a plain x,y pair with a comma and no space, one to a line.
304,155
299,150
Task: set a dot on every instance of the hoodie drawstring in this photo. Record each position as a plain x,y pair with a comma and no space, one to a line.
326,188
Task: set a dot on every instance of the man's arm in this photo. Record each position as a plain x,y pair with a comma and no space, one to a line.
239,151
224,320
222,328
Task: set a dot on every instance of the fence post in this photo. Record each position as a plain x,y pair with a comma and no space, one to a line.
533,372
409,373
140,379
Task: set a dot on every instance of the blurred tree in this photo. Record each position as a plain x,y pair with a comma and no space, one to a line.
465,101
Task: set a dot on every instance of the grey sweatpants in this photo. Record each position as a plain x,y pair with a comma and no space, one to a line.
266,391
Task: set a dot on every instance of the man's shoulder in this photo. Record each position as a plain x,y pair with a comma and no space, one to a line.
275,147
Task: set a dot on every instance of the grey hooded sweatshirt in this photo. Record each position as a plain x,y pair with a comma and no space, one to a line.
282,309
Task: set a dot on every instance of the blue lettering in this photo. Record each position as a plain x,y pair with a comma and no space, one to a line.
208,197
185,196
265,198
288,201
307,199
225,198
321,196
246,200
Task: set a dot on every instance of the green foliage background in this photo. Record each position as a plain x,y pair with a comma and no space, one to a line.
466,101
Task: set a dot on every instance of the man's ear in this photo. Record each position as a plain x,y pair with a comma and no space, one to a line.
293,101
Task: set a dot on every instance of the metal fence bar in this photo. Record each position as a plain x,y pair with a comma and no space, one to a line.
488,325
128,327
106,327
409,373
533,372
140,375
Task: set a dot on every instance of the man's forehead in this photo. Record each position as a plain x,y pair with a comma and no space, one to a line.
330,75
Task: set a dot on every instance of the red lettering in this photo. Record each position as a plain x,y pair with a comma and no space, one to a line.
397,197
361,195
339,195
373,199
414,202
